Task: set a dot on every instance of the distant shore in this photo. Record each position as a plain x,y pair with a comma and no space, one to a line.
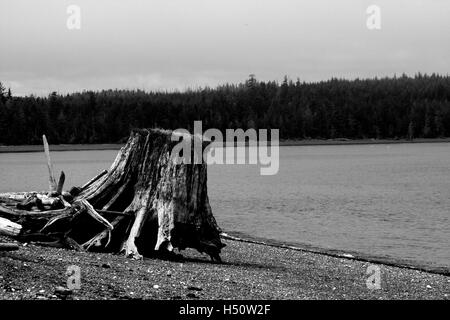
333,142
60,147
305,142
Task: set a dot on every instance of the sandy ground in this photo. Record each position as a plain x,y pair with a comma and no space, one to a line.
249,271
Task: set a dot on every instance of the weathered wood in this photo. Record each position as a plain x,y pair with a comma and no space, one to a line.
129,247
168,202
9,228
51,178
18,196
114,213
36,214
144,203
115,197
54,219
102,235
54,202
93,213
28,203
62,179
101,174
72,243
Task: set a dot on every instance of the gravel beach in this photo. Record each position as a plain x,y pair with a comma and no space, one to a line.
249,271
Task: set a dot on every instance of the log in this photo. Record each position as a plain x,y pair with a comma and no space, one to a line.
9,246
18,196
9,228
9,212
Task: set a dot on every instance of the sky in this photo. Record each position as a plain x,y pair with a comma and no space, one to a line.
180,44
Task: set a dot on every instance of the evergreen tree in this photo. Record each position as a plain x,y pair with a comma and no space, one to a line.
388,108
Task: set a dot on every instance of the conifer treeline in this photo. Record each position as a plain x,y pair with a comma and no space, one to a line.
388,108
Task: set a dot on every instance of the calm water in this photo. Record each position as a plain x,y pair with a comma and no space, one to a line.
388,200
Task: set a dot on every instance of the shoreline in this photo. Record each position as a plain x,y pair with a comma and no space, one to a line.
340,253
282,143
249,271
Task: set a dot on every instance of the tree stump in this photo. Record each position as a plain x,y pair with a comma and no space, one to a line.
145,203
166,204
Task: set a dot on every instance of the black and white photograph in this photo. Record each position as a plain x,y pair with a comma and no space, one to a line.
224,158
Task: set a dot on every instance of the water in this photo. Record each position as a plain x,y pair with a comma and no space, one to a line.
383,200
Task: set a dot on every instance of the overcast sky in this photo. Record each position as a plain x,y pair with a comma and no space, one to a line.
175,44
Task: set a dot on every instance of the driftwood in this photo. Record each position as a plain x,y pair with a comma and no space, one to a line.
144,203
9,246
9,228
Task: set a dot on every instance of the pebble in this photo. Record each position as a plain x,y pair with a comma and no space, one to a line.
106,265
155,286
194,288
62,291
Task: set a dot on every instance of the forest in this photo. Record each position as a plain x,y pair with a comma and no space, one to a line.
400,107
